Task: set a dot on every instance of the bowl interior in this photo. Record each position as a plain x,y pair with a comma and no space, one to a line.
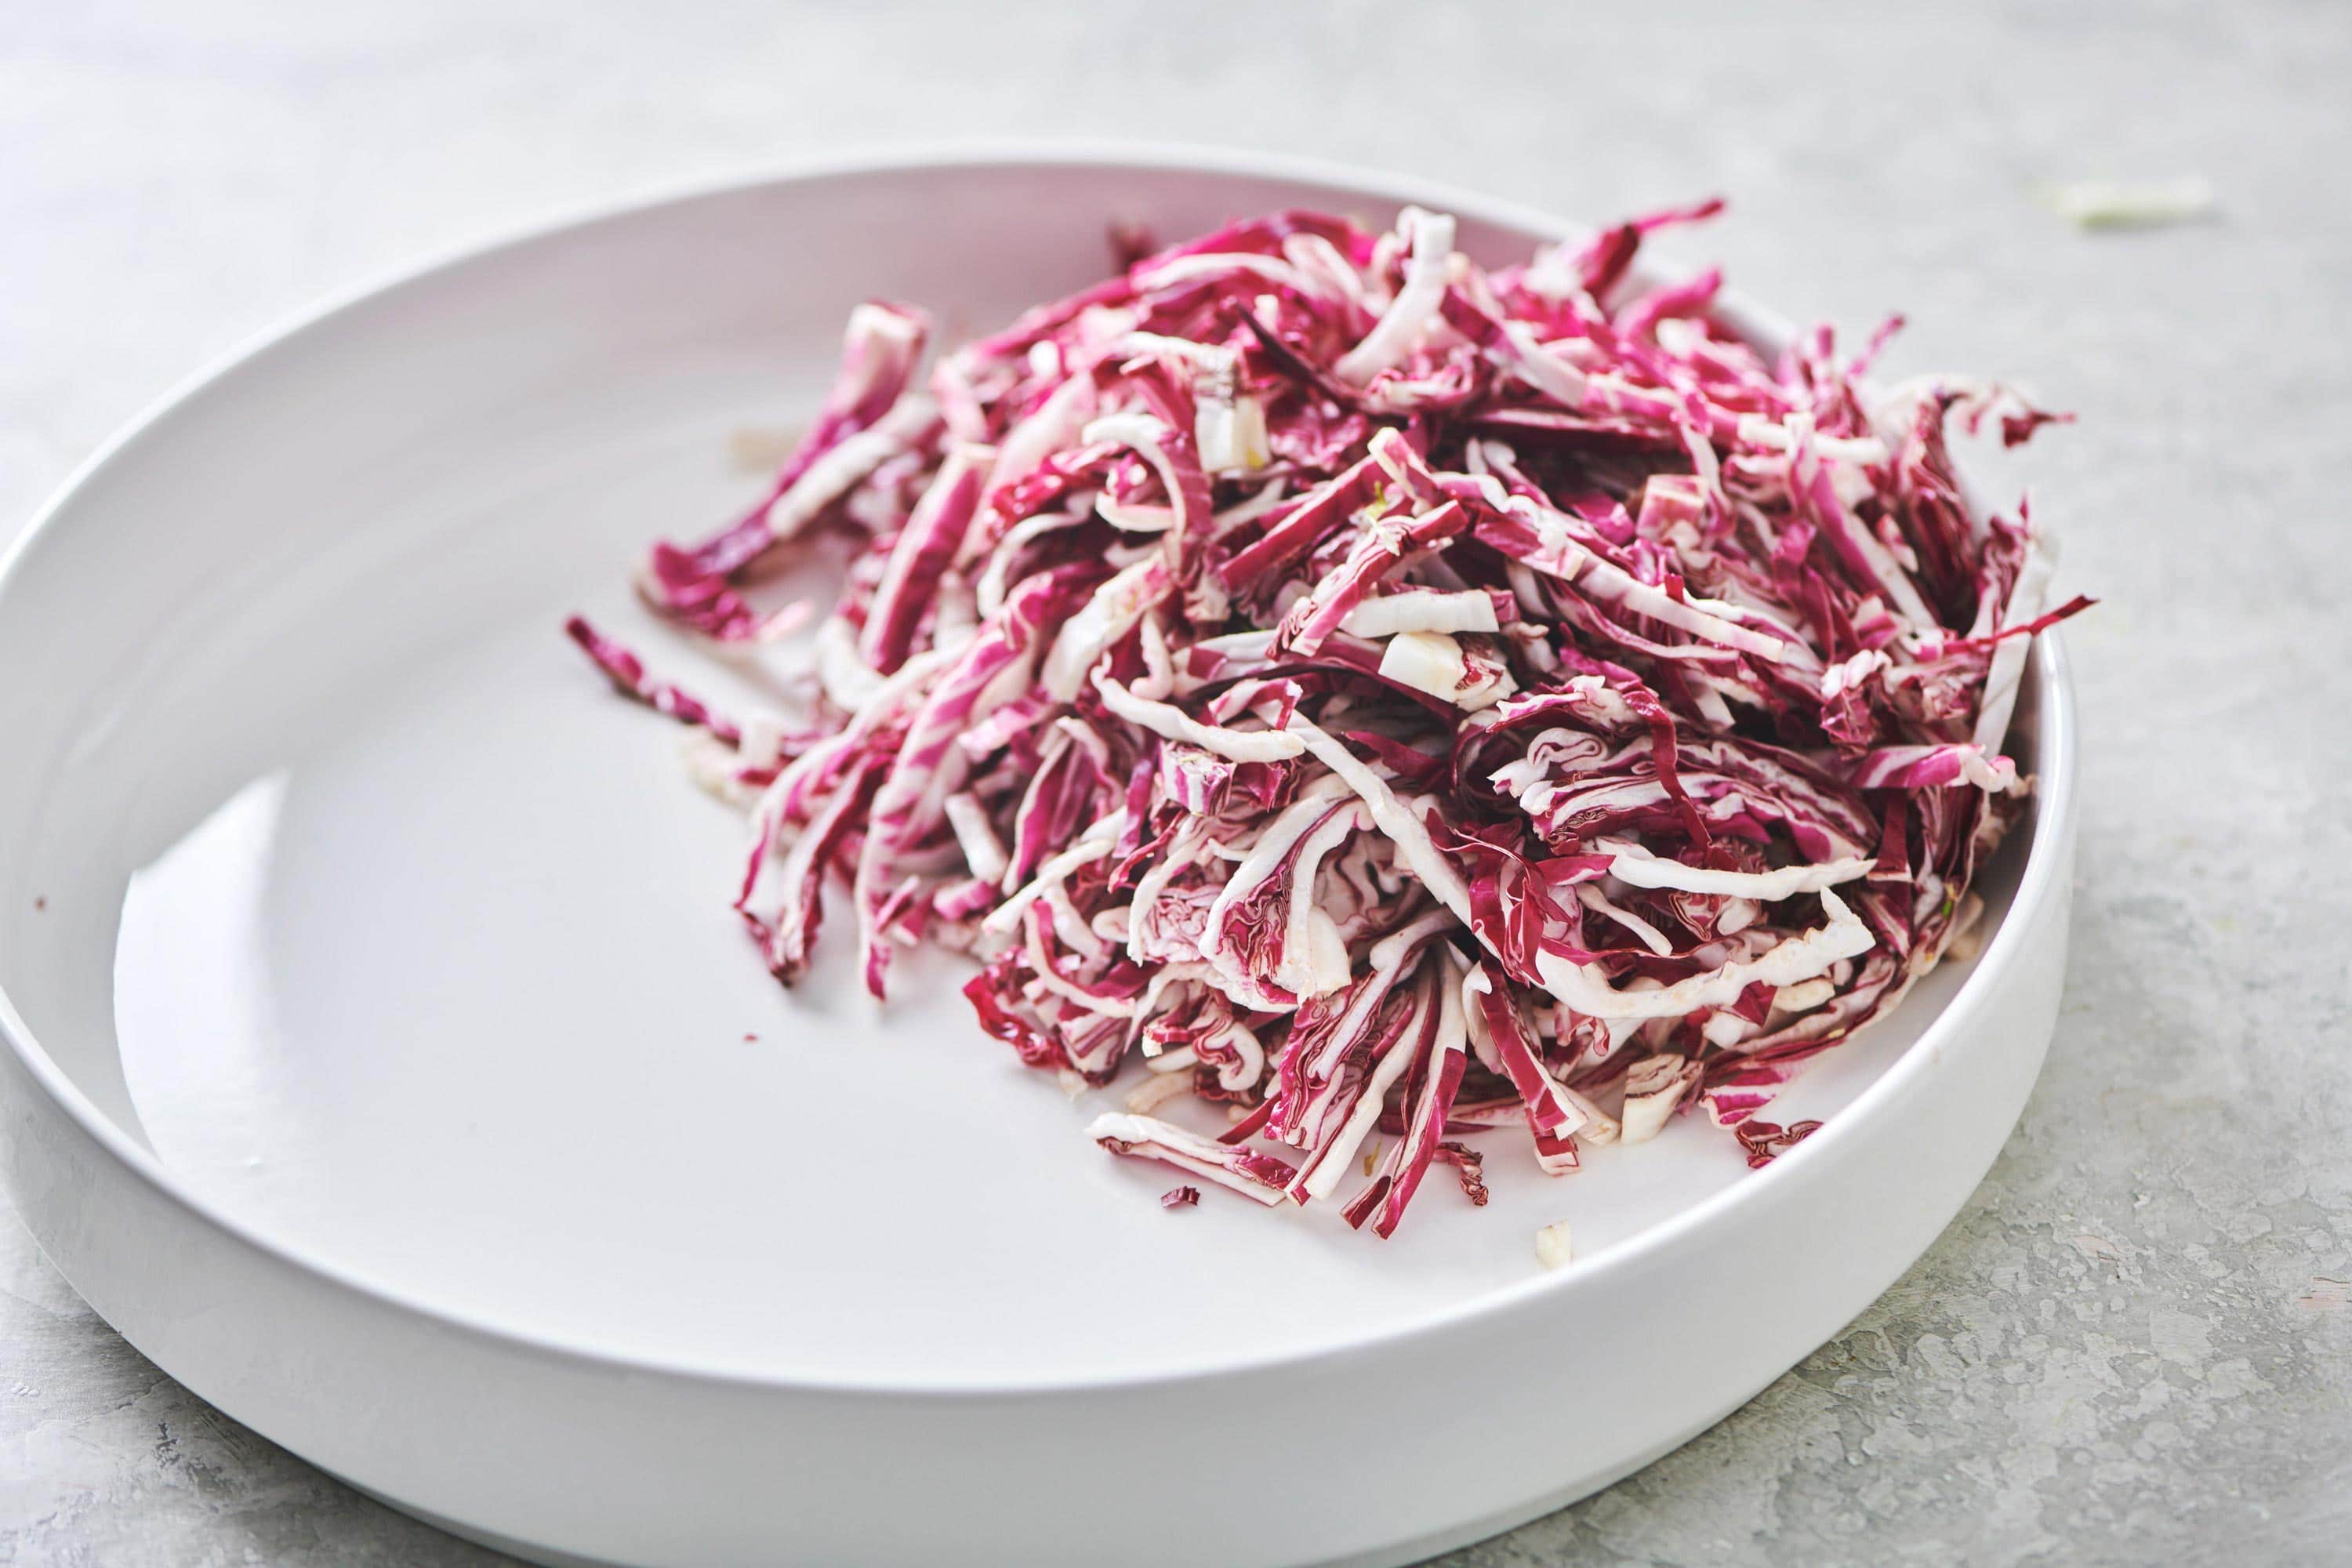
331,876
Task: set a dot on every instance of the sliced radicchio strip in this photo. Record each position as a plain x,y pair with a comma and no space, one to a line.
627,673
1385,699
1244,1171
868,417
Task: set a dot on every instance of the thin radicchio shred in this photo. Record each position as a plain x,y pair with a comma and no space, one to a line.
1380,700
627,673
1182,1197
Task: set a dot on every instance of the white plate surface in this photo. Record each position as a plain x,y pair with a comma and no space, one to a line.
367,958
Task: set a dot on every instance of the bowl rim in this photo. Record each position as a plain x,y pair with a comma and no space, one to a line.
2054,800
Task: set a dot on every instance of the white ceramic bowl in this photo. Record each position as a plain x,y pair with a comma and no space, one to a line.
383,1062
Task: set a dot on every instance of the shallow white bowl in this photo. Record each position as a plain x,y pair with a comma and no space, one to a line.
383,1061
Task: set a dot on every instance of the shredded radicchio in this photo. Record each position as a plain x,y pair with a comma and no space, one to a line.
1378,693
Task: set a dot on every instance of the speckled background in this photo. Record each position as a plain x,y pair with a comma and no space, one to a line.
2136,1344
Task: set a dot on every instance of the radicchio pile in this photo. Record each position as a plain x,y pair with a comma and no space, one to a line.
1389,698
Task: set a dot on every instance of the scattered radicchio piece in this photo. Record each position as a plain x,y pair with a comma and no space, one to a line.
1375,699
1767,1141
1470,1166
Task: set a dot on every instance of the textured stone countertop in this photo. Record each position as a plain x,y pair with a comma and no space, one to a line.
2135,1345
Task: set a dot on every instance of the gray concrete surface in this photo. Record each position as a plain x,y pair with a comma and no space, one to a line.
2136,1344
